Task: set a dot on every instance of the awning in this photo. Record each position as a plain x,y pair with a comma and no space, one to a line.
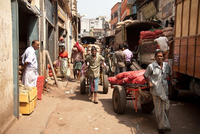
30,9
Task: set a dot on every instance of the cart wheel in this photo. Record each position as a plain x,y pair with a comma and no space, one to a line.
106,70
119,99
148,107
105,84
82,85
173,92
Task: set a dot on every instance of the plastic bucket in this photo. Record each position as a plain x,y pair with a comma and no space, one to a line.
39,85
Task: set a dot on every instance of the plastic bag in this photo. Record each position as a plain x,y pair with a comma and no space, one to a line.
68,72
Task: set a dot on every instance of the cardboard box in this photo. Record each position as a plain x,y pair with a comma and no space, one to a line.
28,101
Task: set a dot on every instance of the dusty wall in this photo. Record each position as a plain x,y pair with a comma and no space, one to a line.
6,70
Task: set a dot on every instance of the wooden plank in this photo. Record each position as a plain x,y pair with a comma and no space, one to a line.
175,68
197,72
193,17
198,19
184,42
178,20
191,41
52,69
177,42
182,69
191,51
176,49
190,65
185,19
198,41
197,67
197,51
183,50
183,60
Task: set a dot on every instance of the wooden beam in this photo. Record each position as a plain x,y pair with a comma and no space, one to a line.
51,65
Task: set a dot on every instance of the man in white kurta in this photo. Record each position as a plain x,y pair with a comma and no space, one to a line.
29,60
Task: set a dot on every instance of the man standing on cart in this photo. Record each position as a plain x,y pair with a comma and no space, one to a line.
129,57
121,60
156,75
93,61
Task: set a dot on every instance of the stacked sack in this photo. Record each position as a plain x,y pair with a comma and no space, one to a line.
119,25
147,37
158,32
129,77
168,32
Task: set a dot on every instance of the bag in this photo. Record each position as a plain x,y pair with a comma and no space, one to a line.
123,75
139,80
135,74
68,72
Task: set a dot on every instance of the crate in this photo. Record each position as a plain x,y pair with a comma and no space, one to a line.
28,101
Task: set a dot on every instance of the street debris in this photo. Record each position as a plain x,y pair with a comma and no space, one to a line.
89,119
66,92
180,104
138,128
61,118
96,128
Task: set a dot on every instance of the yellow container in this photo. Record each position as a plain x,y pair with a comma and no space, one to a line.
28,101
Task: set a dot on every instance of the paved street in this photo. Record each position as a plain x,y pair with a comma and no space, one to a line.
62,112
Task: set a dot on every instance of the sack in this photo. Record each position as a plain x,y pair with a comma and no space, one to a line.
79,47
68,72
112,80
123,75
158,31
168,33
139,80
135,74
167,29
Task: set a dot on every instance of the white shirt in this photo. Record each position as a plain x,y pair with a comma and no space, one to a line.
162,42
30,57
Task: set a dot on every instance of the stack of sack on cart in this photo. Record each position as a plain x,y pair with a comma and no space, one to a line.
129,77
147,37
168,32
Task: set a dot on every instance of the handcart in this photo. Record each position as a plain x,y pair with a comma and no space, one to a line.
135,92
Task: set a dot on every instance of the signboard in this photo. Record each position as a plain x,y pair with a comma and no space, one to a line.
149,10
167,10
61,14
176,59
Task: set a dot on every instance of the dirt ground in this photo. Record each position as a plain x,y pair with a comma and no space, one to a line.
66,111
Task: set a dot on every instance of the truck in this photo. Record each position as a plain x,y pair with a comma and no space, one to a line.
186,54
130,34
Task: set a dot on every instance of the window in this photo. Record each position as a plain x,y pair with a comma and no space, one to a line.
92,26
92,22
115,14
135,7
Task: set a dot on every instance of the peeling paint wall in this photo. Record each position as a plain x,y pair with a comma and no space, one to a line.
6,70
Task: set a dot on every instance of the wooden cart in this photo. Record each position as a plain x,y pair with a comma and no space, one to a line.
122,93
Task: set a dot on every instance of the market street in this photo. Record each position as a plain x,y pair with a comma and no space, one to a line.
61,112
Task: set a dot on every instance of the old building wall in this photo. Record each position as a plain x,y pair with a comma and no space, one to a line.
6,70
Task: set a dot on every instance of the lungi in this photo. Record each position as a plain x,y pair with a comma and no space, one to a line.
29,77
63,66
94,83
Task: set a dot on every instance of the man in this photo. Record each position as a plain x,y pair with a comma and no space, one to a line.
129,57
121,60
94,71
156,75
30,65
77,58
163,43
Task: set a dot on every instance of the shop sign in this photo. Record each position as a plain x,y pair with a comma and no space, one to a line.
167,10
49,11
149,10
61,13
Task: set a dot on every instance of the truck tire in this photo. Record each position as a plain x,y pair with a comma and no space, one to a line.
105,84
148,107
82,85
119,99
173,93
